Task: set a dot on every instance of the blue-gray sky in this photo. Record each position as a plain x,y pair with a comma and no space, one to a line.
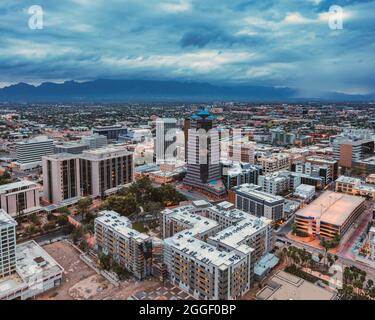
265,42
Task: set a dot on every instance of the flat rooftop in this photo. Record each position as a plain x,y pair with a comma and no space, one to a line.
195,222
250,190
6,219
234,235
285,286
334,208
203,251
61,156
349,180
120,224
33,264
17,185
105,152
33,261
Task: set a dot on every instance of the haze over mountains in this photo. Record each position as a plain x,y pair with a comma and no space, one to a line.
155,90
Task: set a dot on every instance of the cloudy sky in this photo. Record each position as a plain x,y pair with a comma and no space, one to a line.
264,42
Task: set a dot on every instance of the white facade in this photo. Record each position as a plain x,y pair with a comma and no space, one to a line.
105,170
275,183
95,141
7,244
20,197
165,147
60,177
29,153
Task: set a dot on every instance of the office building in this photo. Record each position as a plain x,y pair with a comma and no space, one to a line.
330,214
276,162
297,178
275,183
313,170
95,141
366,165
131,249
244,152
61,177
105,170
355,186
71,147
165,141
237,173
280,137
187,125
332,165
29,153
203,166
20,198
261,204
347,150
111,132
7,244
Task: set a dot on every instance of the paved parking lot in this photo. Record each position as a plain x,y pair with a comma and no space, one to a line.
164,292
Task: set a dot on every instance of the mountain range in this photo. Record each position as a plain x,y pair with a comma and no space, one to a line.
106,90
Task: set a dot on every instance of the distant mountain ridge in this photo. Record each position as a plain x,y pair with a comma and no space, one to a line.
154,90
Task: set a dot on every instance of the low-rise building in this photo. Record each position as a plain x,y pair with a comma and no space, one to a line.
285,286
305,192
330,214
26,270
277,162
20,198
275,183
355,186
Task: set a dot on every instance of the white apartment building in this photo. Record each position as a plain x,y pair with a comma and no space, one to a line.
7,244
275,162
20,197
206,272
213,257
60,177
305,192
258,203
128,247
29,153
275,183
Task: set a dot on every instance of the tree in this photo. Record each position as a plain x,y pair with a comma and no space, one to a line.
76,235
105,261
83,205
64,210
5,178
294,228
